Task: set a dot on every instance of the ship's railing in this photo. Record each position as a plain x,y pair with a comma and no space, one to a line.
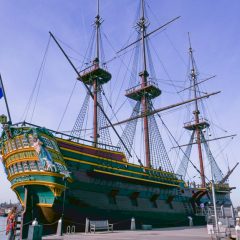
193,122
91,68
139,86
178,176
208,211
70,137
218,186
193,185
163,174
222,186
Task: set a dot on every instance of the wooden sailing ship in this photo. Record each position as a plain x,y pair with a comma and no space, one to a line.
57,175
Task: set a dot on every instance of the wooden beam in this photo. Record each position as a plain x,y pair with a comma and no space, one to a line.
209,140
161,109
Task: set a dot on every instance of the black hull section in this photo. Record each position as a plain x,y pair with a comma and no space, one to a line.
73,215
89,197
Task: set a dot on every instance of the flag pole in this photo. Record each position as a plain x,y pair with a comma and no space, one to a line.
5,98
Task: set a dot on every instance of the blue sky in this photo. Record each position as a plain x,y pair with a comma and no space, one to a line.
215,34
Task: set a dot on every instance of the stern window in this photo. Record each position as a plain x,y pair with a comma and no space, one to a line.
5,148
25,166
13,145
20,168
30,140
18,142
9,146
25,142
33,166
15,168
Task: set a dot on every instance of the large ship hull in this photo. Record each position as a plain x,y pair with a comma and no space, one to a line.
88,197
95,183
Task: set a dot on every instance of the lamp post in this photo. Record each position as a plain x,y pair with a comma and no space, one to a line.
63,206
215,208
60,221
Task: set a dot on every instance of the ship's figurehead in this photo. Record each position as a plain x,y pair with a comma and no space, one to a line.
44,156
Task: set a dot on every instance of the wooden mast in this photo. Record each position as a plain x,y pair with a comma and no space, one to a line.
95,81
149,113
144,100
196,116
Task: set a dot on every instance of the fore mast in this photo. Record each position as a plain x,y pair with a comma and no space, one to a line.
95,76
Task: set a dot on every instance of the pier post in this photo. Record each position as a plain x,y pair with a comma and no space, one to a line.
133,224
35,231
190,221
237,229
87,225
59,228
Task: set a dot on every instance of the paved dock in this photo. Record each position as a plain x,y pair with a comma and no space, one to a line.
177,233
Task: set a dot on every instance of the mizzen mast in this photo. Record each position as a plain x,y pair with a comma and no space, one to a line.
197,127
199,124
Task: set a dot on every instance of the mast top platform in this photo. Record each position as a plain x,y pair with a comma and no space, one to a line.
149,89
202,124
94,72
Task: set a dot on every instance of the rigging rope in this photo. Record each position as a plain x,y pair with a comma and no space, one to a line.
71,48
158,154
129,131
68,102
72,91
182,169
77,128
127,68
104,135
37,82
178,144
217,173
150,61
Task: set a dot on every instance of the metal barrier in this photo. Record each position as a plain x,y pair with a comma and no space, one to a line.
71,229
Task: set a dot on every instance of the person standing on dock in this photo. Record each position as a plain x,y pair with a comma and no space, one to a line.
11,224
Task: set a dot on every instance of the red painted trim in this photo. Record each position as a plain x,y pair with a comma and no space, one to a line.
96,152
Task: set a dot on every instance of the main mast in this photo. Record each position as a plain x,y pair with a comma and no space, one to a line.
95,81
147,90
144,75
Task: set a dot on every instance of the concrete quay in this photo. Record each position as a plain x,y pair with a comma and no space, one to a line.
176,233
